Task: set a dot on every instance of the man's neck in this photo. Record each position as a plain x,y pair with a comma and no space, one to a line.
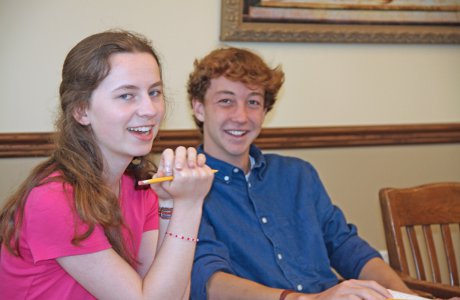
240,161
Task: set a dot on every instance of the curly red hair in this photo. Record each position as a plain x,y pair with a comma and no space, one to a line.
238,65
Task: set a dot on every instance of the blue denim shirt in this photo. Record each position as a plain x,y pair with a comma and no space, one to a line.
279,228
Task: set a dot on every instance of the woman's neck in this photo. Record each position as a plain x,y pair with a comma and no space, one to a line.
112,177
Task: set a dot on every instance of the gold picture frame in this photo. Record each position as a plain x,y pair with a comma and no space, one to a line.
238,25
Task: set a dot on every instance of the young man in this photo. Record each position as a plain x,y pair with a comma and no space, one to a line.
269,229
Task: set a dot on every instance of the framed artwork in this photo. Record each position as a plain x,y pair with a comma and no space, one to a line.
342,21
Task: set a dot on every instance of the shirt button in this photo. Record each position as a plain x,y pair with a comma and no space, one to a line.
299,287
226,178
249,184
235,170
264,220
280,257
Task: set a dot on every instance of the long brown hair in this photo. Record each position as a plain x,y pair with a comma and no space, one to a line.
77,159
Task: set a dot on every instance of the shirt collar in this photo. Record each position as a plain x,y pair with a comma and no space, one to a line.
226,169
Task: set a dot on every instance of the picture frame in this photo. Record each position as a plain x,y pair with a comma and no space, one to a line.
237,24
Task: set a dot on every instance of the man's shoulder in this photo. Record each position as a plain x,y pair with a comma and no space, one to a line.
277,165
288,161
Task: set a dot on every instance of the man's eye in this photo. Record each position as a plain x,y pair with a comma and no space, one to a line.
254,103
225,101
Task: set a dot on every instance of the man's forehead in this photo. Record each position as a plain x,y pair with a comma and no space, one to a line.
225,84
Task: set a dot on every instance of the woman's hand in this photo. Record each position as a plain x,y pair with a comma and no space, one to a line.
192,177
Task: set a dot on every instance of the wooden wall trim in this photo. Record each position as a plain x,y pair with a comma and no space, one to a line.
40,144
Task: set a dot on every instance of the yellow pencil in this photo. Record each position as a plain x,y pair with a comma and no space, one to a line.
159,179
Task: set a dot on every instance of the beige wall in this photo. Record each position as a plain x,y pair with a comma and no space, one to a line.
326,84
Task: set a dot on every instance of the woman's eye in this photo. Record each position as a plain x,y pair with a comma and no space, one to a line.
155,93
126,96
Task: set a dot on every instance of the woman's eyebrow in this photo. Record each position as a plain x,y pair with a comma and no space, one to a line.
158,83
134,87
126,87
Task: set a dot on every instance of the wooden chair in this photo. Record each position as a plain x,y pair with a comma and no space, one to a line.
416,218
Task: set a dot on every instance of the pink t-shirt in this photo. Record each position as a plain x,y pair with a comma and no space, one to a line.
47,232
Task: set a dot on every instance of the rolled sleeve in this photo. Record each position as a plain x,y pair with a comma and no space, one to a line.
350,266
211,256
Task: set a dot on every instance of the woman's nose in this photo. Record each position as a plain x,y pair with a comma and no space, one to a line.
147,107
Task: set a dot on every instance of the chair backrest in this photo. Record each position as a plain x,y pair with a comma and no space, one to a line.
413,218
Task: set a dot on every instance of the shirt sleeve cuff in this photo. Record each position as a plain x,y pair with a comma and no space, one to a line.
200,276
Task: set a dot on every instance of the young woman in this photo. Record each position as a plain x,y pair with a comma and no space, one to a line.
80,227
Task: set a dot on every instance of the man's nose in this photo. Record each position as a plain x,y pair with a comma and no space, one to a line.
240,113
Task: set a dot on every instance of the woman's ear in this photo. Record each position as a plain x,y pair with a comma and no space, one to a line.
81,116
198,109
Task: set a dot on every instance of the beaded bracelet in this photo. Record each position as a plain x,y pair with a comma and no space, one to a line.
285,293
178,236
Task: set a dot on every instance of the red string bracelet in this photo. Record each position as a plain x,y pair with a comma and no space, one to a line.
179,236
285,293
